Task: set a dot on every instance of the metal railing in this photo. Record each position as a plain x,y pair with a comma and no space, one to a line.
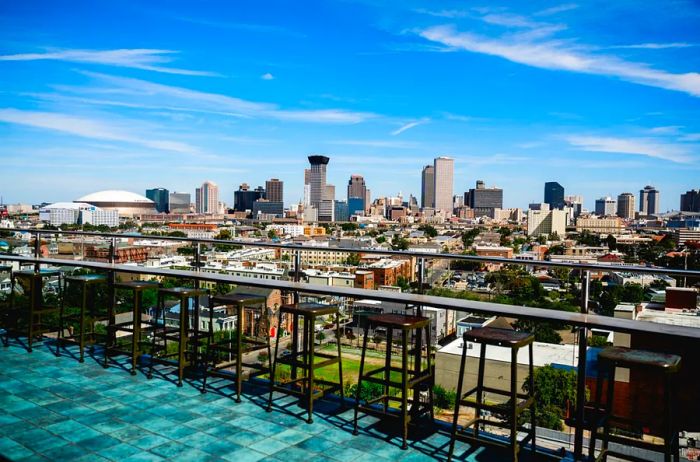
583,320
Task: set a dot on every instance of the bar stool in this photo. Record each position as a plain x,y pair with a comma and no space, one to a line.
517,403
88,284
134,327
5,312
415,380
662,364
240,344
37,309
187,334
306,358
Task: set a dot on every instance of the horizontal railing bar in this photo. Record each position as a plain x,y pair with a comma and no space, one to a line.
589,321
428,255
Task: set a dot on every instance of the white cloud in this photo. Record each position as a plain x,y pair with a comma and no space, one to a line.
560,55
409,125
638,146
139,58
557,9
267,76
443,13
90,128
377,144
656,46
509,20
153,95
667,130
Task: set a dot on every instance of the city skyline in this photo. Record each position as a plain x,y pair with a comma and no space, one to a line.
175,101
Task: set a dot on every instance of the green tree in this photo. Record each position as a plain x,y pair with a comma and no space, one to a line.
272,234
429,230
403,283
469,236
349,226
399,243
368,391
224,235
444,399
353,259
555,393
611,242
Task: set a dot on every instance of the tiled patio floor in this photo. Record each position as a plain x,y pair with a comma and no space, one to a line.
59,409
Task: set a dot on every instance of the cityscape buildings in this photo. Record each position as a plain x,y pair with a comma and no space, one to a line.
554,195
274,190
427,196
649,201
690,201
244,198
625,206
605,206
357,194
444,182
179,202
484,201
546,222
207,198
126,203
316,179
161,198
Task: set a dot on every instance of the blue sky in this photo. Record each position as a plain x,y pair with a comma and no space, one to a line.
602,97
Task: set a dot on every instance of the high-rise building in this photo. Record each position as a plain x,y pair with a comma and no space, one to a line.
554,195
317,179
649,200
207,198
605,206
274,190
625,205
444,181
341,212
546,222
180,202
575,203
484,200
161,197
690,201
244,198
427,195
329,193
357,193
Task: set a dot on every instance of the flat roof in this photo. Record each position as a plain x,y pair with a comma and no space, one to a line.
543,353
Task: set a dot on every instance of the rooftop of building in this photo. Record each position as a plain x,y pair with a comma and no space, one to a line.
59,409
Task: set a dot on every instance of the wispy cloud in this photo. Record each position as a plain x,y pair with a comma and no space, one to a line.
560,55
138,58
91,128
409,125
509,20
667,130
143,92
557,9
639,146
443,13
377,143
267,76
656,46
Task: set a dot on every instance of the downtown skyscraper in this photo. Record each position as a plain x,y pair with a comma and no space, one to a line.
427,193
207,198
317,179
357,194
444,180
649,200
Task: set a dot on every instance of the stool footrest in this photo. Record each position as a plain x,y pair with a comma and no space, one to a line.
502,408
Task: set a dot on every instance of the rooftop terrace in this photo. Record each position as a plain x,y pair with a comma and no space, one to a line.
59,409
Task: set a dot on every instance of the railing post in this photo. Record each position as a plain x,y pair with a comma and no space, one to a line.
37,251
297,269
197,262
581,373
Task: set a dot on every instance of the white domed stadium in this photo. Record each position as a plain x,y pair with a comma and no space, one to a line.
128,204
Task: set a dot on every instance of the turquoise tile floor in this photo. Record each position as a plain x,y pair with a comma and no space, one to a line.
59,409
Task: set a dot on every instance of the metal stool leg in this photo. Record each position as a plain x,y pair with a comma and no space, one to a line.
310,324
83,307
239,352
359,379
274,363
480,389
514,403
597,411
460,384
429,365
59,336
387,367
608,411
404,387
533,407
340,360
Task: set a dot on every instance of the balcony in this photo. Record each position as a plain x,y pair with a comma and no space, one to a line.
57,408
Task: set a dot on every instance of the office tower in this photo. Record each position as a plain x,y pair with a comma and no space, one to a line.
368,200
329,193
427,195
357,193
554,195
179,202
317,179
484,200
161,197
266,207
444,181
625,205
605,206
307,175
274,190
575,203
546,222
244,198
690,201
207,198
341,212
649,201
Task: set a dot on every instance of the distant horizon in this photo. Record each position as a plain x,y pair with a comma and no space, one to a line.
133,96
